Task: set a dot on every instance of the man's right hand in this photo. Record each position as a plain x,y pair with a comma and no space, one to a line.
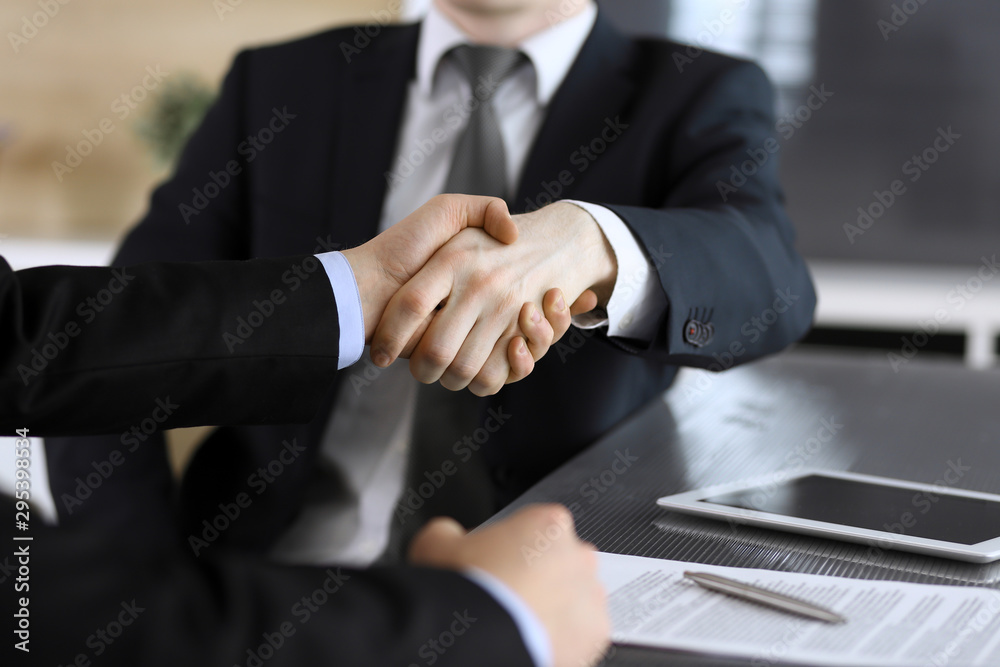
387,262
537,554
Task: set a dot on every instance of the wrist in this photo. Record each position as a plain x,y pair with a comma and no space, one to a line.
593,253
374,287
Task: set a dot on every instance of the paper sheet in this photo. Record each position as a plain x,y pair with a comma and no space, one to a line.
889,622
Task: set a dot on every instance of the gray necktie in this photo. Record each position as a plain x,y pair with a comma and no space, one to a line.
479,166
443,418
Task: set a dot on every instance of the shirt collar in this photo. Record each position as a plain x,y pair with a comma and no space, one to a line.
551,51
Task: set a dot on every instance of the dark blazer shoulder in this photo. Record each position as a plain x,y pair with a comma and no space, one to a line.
347,45
677,63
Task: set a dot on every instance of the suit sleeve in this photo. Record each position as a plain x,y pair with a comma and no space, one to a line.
722,243
153,603
95,350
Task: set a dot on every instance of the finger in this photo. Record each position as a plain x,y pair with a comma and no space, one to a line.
497,369
498,223
406,310
556,522
555,311
519,359
445,216
471,359
586,303
435,540
451,345
537,331
415,338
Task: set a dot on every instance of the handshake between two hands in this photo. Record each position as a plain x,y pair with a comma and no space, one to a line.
474,297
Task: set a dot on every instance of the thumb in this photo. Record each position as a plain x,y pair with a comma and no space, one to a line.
435,543
498,223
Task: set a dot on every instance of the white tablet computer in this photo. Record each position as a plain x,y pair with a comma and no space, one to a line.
880,512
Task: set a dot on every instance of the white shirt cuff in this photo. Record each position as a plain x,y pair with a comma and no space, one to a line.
637,299
349,312
533,633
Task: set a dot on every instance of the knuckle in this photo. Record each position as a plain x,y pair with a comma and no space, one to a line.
452,383
463,370
486,385
491,378
483,389
552,514
436,354
509,302
519,372
415,302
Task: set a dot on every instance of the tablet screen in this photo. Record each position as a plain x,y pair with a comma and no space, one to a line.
873,506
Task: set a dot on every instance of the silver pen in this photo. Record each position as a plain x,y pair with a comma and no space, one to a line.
753,593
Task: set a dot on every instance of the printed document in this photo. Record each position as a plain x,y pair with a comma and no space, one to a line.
889,623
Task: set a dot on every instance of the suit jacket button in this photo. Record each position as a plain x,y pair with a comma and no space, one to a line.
698,333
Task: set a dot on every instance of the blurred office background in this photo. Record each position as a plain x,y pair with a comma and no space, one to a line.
864,87
891,92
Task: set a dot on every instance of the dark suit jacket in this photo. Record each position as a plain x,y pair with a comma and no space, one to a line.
312,137
131,590
99,350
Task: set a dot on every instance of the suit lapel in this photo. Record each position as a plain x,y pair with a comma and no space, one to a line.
597,88
372,98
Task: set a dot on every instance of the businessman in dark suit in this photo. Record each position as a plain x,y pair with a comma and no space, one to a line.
132,593
688,247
